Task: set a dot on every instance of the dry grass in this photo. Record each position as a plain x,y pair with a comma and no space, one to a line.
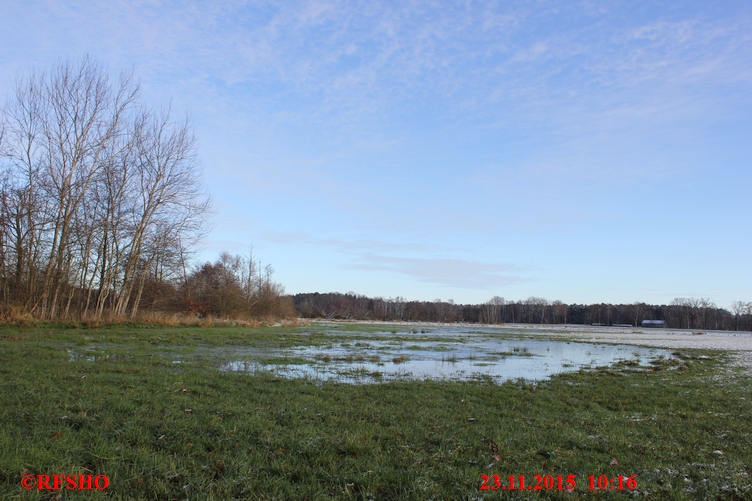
17,317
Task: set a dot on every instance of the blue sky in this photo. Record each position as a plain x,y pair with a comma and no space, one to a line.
582,151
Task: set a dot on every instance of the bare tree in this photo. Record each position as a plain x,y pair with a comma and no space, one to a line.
706,307
170,203
559,311
536,309
492,311
738,308
637,311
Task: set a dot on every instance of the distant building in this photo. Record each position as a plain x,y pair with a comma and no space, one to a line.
653,323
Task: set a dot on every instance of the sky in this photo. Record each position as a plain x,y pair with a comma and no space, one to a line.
582,151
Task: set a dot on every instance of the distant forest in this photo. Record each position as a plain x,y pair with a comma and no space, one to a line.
682,313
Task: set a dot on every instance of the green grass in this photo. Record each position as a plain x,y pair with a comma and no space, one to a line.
164,430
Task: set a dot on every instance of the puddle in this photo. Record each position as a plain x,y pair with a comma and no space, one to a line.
77,356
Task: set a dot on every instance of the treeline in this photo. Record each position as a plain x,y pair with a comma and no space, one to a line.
101,205
681,313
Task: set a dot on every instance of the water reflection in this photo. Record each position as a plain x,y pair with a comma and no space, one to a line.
77,356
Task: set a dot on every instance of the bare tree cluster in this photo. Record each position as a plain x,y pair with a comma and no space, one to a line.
235,286
100,196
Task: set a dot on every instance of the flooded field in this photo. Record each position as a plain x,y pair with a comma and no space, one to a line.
356,354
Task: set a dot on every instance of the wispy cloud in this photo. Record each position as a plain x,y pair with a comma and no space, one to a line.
457,273
354,54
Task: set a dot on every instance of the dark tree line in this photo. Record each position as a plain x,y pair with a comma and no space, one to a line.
681,313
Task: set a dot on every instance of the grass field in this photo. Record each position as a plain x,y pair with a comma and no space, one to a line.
165,430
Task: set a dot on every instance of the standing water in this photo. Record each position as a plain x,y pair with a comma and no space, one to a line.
444,353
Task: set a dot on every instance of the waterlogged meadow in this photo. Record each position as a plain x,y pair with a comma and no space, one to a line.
221,413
